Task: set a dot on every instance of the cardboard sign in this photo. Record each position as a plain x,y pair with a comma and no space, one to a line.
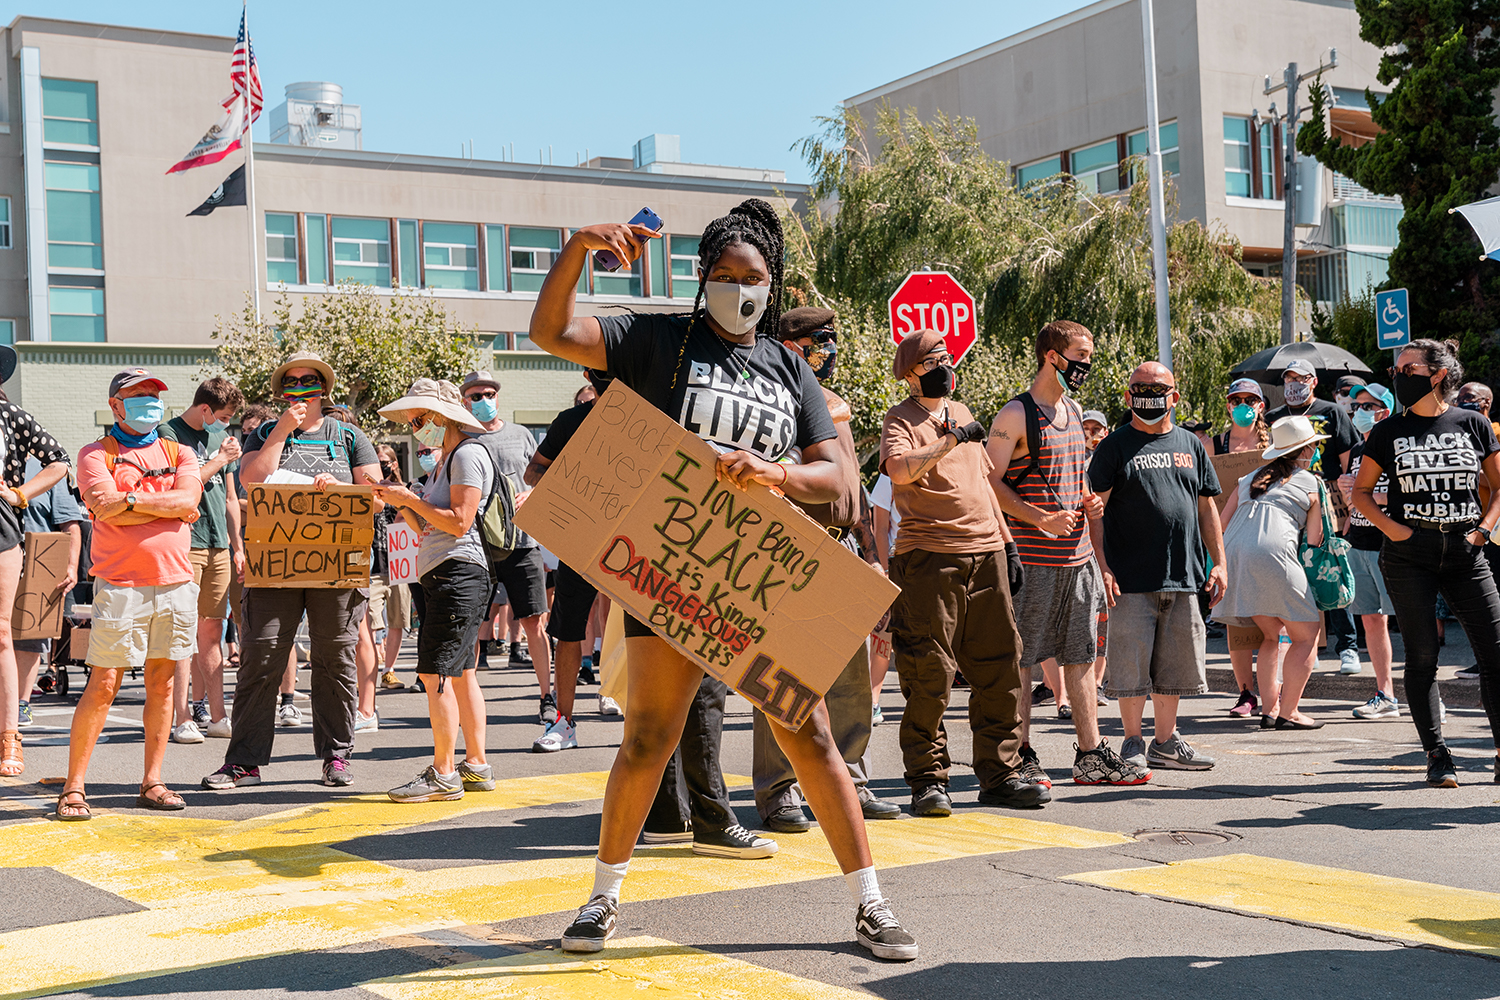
1231,469
1244,637
401,544
39,604
740,581
296,536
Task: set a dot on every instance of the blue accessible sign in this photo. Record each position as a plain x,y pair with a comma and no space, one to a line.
1392,319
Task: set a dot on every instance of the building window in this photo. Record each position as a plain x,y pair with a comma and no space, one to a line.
624,281
684,266
1096,169
1267,150
494,259
658,251
1166,134
523,343
77,313
317,249
281,248
7,331
406,236
532,252
450,254
70,113
4,223
1040,170
362,251
75,232
1237,176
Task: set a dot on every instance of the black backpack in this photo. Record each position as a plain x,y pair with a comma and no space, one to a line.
1034,441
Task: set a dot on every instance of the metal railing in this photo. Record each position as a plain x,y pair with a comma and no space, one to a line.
1345,189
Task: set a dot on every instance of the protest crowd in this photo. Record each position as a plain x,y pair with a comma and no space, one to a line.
1047,557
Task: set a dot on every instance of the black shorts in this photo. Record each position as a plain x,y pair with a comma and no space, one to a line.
635,628
456,593
571,604
524,580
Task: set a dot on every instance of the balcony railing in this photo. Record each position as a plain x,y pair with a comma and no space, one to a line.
1345,189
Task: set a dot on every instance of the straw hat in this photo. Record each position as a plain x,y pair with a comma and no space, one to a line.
1291,434
304,359
426,395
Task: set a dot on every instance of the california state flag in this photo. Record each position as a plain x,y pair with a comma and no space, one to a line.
219,141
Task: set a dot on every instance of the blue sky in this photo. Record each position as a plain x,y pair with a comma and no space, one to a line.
740,84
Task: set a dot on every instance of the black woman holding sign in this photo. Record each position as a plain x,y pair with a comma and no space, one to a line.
698,368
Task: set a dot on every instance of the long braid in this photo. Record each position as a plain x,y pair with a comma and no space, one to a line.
755,222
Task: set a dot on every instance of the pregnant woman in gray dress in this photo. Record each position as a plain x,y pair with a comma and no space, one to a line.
1266,518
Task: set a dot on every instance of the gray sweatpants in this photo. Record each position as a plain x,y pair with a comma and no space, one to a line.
271,616
850,705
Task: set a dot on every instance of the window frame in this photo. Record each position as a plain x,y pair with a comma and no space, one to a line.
295,236
1171,160
98,209
692,283
361,241
1022,182
5,225
448,248
53,315
1088,180
533,273
92,122
1247,169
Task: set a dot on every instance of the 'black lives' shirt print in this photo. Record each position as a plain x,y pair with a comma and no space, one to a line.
1433,464
762,399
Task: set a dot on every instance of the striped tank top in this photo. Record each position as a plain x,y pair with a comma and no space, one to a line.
1060,486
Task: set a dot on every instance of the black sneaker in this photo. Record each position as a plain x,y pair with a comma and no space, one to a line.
1031,767
931,800
519,656
878,931
594,925
1440,770
1041,694
788,819
548,710
1468,673
1015,792
732,842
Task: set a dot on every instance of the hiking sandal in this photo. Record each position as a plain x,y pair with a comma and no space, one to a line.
12,761
169,802
80,809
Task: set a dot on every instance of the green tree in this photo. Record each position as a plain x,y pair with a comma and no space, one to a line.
926,194
1439,148
377,344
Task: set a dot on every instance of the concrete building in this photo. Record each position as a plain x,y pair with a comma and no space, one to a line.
101,267
1067,97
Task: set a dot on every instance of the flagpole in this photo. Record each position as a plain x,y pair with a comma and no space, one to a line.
250,170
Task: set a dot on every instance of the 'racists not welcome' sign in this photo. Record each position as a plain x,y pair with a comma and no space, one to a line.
296,536
741,581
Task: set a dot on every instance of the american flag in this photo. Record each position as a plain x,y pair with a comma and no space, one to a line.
243,68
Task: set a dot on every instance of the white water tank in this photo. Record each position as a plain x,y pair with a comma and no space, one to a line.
314,114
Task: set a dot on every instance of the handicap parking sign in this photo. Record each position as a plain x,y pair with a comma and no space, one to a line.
1392,319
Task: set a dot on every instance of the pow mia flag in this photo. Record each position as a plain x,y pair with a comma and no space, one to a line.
230,192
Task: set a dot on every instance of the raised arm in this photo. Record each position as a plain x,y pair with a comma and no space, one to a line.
554,328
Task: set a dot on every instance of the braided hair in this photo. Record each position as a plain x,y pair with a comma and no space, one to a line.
756,223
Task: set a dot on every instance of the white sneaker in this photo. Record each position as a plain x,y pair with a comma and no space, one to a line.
1349,662
187,733
561,735
366,723
220,730
288,716
608,706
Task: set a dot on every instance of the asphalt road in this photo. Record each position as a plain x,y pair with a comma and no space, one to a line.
1331,871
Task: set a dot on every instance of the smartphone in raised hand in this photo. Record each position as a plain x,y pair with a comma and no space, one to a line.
608,260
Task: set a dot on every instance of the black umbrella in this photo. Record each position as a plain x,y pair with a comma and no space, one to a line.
1327,360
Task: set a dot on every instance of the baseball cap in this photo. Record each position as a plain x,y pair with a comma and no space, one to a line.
1302,367
480,377
1096,416
1244,385
1379,391
1348,383
134,376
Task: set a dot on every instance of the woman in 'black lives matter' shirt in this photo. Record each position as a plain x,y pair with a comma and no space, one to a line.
718,372
1433,455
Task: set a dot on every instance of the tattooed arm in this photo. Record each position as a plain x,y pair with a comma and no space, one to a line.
908,467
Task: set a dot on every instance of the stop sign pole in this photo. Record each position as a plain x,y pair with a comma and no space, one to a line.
934,300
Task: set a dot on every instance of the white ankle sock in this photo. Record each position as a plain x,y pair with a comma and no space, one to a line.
607,879
864,887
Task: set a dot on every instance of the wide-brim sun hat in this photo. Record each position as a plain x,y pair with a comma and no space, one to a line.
431,396
304,359
1291,434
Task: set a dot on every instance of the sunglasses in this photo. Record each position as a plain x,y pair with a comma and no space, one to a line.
1152,389
1246,400
296,381
1408,370
425,451
490,394
1369,406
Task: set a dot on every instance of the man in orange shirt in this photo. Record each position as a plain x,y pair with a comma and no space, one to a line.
142,493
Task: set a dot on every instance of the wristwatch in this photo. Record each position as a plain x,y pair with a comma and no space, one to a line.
130,501
1484,533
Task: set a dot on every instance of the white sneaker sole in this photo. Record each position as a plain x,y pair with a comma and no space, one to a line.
429,797
898,952
685,837
737,853
586,944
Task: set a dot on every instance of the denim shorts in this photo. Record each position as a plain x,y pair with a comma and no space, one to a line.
1370,595
1156,645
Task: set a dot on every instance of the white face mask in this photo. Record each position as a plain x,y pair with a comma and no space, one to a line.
737,308
1296,393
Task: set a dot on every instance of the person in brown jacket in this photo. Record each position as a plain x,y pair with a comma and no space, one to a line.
809,332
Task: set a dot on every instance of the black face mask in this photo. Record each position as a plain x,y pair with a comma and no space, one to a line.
939,382
1412,389
1150,406
1470,404
1073,375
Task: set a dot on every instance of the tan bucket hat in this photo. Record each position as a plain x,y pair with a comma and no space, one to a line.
433,396
1291,434
304,359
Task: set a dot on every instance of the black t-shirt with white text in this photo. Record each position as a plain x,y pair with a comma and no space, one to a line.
1151,537
1326,418
1434,464
563,427
1361,533
763,399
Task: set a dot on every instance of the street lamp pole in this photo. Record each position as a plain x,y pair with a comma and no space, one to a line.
1154,182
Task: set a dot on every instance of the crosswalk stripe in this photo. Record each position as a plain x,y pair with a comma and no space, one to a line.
1379,905
219,891
629,969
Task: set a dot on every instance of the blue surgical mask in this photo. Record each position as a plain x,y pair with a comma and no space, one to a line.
142,413
483,409
1364,420
428,461
216,426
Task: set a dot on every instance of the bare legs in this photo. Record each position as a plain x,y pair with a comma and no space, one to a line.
1295,669
208,667
1378,642
1163,707
459,706
366,670
93,707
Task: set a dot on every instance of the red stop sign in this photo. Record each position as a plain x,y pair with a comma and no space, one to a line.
934,300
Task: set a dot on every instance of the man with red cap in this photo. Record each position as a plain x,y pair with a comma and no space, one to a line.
956,566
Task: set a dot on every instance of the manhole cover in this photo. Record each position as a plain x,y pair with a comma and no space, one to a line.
1184,838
